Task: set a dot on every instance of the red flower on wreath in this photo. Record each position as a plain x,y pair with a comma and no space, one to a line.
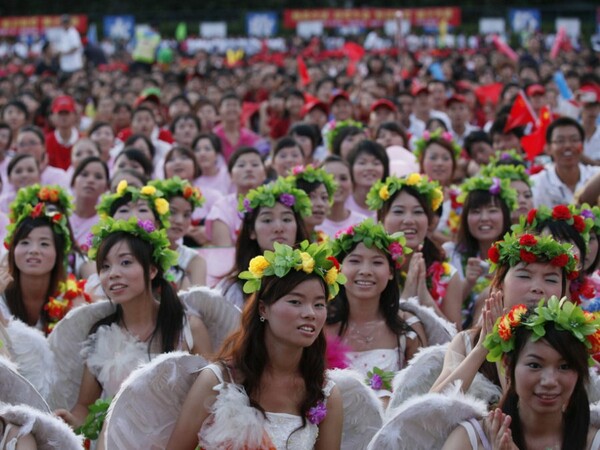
494,254
578,223
37,210
561,212
527,257
573,275
335,262
560,260
56,217
187,192
531,215
528,240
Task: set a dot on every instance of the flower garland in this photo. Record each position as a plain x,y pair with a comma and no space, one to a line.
282,191
505,155
151,194
384,190
162,255
495,186
438,277
538,218
336,127
313,175
56,220
372,235
516,248
176,187
592,213
34,194
61,303
507,172
435,136
565,316
310,258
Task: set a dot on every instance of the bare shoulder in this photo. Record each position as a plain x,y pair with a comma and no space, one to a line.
592,432
457,439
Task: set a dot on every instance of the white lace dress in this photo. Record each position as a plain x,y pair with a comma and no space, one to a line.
235,424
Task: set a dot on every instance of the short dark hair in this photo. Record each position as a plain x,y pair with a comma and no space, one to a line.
564,122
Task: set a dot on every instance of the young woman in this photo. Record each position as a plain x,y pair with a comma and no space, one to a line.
369,163
320,187
23,170
213,170
339,217
270,374
344,137
365,314
181,162
247,172
515,281
15,114
131,258
409,205
271,213
184,129
308,137
485,218
287,154
545,353
90,180
391,133
183,198
102,133
132,158
132,177
83,148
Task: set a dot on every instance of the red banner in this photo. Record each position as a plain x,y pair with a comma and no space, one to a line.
15,25
371,17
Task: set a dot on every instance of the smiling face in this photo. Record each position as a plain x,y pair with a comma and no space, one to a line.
437,164
341,175
24,173
525,200
406,214
486,222
180,218
320,206
565,146
35,254
367,170
368,272
276,224
529,283
286,159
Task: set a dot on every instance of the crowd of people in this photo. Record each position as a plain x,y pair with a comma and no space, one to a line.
353,217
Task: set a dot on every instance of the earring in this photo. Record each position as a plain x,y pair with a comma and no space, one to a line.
262,319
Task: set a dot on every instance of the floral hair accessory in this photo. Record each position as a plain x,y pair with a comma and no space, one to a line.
56,220
335,129
282,191
384,190
176,187
506,172
538,218
565,316
34,194
162,255
372,235
317,413
505,155
592,213
436,136
310,258
494,186
155,198
378,379
61,303
528,248
313,175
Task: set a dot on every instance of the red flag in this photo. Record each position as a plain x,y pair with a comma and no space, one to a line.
303,71
504,48
533,144
351,68
561,40
354,51
489,93
520,114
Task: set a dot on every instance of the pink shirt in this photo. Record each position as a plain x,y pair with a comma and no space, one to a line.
220,182
226,211
247,139
82,227
330,227
211,197
353,206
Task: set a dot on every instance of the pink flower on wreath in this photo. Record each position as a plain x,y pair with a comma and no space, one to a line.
396,251
297,169
426,135
349,231
438,284
447,136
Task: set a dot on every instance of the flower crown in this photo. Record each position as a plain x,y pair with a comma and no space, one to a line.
503,155
537,218
339,126
162,255
592,213
434,136
383,190
57,221
313,175
310,258
176,187
282,191
153,196
372,235
506,172
494,186
566,316
34,194
516,248
61,303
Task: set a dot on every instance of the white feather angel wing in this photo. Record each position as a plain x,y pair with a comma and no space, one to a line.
66,341
220,317
16,390
144,411
50,433
424,423
594,386
29,350
363,411
437,329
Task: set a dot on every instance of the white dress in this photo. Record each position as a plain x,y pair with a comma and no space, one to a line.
6,444
284,430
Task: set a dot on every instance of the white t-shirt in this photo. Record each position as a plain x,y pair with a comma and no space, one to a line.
69,39
591,146
549,190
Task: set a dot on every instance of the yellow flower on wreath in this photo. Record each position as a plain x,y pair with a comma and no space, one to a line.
384,194
148,190
121,187
258,265
331,275
162,206
413,178
308,263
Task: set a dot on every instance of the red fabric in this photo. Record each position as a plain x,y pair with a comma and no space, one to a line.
520,114
489,93
58,155
278,126
163,135
354,51
303,71
504,48
533,144
561,41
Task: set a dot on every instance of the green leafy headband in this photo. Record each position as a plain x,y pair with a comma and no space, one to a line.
436,136
494,186
528,248
372,235
153,196
162,255
592,213
34,194
56,220
506,172
313,175
538,218
282,191
337,127
176,187
384,190
310,258
566,316
503,155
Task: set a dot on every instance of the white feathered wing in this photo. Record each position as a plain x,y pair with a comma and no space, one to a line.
437,329
16,390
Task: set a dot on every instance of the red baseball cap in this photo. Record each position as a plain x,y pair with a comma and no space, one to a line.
63,103
588,94
337,95
309,106
456,98
383,103
419,89
149,94
535,89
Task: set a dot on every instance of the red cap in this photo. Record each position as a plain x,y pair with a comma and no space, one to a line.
463,86
338,94
309,106
383,103
535,89
63,103
589,93
456,98
419,89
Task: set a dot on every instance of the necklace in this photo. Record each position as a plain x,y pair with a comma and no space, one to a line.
365,334
141,337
